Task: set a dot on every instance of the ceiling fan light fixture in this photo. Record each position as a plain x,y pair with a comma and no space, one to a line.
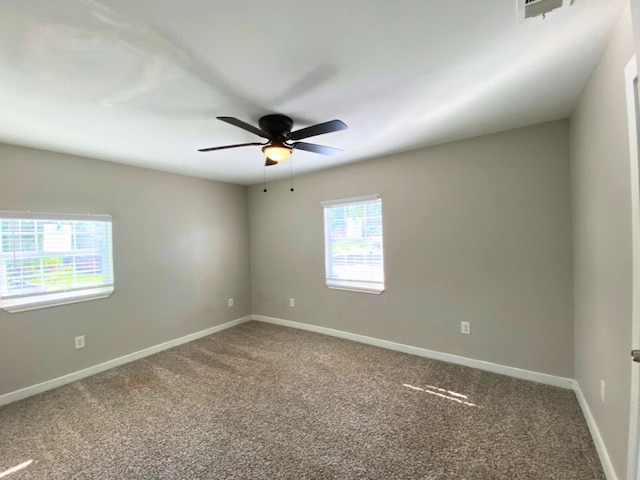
276,129
276,152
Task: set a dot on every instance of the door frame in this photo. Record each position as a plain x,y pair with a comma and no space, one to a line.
633,115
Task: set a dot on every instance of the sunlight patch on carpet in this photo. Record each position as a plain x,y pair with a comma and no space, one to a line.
15,469
438,392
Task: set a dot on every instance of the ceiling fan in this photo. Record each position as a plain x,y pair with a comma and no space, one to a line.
281,140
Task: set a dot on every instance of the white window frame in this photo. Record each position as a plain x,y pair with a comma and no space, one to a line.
15,304
363,285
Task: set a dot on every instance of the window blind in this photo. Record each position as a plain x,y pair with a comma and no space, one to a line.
353,244
48,259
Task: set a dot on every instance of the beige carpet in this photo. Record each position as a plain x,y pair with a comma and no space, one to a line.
265,402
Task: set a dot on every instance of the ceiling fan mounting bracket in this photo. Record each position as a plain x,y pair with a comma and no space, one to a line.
277,126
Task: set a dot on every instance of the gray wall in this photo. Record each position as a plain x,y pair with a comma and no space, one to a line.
635,15
181,248
477,230
602,253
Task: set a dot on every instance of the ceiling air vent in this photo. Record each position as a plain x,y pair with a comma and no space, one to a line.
535,8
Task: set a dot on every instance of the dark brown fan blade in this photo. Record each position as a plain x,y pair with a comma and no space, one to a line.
270,162
245,126
319,129
211,149
312,147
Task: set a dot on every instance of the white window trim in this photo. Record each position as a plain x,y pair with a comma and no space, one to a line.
354,286
360,286
54,299
350,201
17,215
24,304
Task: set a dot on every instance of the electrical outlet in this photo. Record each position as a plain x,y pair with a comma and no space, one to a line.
230,302
79,341
603,391
292,302
465,327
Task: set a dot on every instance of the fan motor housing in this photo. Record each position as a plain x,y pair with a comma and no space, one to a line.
277,126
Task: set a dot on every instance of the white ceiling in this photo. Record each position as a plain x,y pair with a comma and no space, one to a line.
141,81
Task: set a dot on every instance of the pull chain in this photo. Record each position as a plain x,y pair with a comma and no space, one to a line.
291,165
264,181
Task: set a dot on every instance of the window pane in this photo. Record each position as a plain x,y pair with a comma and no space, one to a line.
353,246
89,269
46,256
23,276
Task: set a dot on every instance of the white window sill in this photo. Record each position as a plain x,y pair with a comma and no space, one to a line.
34,302
351,286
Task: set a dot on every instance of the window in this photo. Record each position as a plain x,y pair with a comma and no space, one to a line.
353,244
53,259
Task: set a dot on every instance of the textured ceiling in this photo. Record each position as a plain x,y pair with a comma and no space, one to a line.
140,82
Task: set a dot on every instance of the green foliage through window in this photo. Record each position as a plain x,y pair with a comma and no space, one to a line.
47,255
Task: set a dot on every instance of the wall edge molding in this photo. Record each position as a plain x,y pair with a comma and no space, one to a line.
605,460
538,377
116,362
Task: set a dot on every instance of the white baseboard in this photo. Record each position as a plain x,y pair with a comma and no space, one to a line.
469,362
607,466
423,352
72,377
